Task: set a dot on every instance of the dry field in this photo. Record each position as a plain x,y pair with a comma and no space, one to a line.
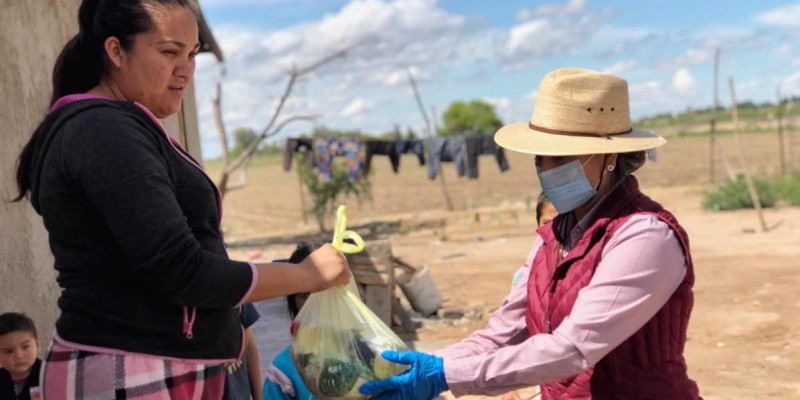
744,339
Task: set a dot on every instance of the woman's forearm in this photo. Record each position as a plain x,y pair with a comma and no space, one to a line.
323,268
279,279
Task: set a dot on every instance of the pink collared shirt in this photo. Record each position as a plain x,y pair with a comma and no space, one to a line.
640,268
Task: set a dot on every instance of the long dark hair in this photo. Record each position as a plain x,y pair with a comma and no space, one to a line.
83,62
303,250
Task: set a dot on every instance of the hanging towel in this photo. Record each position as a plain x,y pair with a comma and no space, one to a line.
447,149
478,145
413,146
349,148
297,145
384,148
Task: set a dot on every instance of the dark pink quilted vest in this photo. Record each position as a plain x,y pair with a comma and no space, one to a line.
649,364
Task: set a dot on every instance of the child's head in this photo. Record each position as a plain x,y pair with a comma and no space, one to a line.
545,211
19,344
297,300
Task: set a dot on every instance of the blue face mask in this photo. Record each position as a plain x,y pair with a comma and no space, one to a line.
566,185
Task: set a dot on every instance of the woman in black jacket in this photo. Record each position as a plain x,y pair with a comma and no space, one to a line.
149,296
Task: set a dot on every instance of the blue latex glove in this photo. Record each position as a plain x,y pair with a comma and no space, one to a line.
423,381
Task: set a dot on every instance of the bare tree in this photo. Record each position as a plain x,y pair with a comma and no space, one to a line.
448,202
272,128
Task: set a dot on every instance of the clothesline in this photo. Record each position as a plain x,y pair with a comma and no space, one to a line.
463,151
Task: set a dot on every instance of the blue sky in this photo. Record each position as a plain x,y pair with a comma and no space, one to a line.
497,51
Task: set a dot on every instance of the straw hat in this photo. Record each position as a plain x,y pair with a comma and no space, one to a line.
578,111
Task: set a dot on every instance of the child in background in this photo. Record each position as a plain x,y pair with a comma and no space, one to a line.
19,346
283,382
243,379
545,212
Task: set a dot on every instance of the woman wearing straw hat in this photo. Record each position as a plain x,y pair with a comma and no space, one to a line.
603,309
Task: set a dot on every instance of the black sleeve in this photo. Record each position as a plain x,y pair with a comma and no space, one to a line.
115,160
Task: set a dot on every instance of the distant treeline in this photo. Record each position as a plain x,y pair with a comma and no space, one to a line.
748,111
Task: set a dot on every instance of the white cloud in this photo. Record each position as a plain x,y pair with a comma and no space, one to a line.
546,10
620,67
645,89
397,77
613,41
499,103
454,57
382,39
356,108
229,3
511,109
783,50
697,55
683,81
649,97
791,84
522,36
704,43
541,37
786,16
379,37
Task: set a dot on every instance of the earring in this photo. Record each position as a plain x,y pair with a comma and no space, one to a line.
610,168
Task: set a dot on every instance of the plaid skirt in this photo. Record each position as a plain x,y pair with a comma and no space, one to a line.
70,374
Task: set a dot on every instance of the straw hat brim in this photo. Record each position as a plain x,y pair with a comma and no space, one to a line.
520,137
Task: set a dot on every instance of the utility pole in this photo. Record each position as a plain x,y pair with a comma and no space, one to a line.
715,108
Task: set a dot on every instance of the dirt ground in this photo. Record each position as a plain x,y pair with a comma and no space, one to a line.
744,336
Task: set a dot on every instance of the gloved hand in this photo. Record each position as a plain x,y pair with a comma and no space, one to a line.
423,381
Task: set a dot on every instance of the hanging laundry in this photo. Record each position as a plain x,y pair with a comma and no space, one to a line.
412,146
384,148
349,148
478,145
297,145
447,149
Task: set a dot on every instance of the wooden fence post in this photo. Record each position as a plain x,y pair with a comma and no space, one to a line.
745,168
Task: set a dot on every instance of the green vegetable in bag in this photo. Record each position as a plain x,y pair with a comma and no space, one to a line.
337,339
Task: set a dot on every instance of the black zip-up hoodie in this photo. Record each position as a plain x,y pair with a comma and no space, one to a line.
134,228
7,384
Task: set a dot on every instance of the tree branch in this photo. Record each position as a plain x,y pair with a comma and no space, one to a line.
248,154
268,130
223,134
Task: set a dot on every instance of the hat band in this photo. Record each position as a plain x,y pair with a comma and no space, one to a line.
569,133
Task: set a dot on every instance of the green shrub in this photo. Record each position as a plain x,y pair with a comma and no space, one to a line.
327,195
734,196
787,188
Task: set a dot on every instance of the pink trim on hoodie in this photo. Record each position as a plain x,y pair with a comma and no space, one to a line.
71,98
178,148
252,284
188,324
107,350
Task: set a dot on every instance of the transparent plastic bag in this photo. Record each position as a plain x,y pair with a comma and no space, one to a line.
337,340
